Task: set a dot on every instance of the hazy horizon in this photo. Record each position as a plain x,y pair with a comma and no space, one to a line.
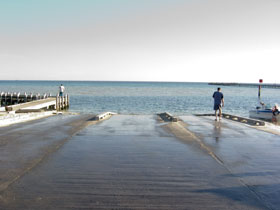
122,40
131,81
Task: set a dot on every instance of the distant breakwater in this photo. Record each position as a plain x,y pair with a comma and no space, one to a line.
264,85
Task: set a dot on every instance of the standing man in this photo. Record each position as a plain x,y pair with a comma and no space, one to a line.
61,90
218,103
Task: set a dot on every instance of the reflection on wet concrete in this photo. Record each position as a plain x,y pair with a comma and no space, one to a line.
23,146
134,162
217,130
249,154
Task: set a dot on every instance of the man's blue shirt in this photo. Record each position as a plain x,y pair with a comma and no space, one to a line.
218,96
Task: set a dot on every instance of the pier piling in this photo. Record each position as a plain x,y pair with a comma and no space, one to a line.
62,102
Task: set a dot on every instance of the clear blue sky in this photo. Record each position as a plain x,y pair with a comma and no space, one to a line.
147,40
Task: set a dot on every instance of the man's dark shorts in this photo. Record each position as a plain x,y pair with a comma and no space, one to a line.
217,106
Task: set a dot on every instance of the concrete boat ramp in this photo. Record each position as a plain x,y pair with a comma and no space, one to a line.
138,162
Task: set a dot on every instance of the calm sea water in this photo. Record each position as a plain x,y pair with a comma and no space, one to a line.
147,97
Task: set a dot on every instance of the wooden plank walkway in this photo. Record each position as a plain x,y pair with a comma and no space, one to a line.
51,103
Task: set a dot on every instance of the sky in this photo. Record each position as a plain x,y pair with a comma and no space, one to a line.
140,40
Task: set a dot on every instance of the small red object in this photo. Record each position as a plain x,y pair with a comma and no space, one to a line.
260,80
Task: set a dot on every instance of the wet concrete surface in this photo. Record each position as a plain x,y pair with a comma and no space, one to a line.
249,154
24,145
138,162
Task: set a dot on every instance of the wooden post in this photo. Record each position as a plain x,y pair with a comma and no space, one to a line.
60,102
11,98
1,102
18,97
25,97
63,101
37,96
68,102
259,94
6,99
30,97
57,102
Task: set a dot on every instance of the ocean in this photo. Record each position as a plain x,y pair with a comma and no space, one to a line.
147,97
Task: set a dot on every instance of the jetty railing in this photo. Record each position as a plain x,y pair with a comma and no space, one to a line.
12,98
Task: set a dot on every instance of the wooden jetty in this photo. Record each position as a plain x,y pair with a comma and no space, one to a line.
22,103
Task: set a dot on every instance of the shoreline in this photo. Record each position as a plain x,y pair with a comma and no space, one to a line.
8,119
